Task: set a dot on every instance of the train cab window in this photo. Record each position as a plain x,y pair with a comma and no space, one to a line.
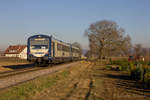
39,47
43,47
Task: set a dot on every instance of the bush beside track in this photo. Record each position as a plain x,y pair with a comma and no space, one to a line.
137,70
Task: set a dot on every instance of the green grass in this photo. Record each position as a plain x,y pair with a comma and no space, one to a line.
121,65
27,90
108,67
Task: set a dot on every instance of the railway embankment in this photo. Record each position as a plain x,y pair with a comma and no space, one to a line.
12,80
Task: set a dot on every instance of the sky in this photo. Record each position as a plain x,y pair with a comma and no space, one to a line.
67,20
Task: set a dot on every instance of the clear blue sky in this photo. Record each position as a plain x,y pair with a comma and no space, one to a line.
68,19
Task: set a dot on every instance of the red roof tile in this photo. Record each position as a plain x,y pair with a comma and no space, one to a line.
15,49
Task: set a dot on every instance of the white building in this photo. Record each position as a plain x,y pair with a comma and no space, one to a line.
19,51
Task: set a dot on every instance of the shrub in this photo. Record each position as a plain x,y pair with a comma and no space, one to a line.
147,68
135,74
143,62
136,71
110,61
147,79
123,64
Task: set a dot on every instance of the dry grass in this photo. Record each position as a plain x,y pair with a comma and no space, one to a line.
74,87
27,90
119,58
5,61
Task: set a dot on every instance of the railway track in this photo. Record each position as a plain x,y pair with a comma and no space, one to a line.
11,78
18,71
24,70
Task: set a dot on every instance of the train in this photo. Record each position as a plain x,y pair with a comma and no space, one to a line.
44,49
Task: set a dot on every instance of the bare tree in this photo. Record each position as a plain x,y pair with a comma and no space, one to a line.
145,52
138,50
106,38
93,46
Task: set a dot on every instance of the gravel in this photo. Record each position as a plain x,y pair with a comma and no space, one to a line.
17,79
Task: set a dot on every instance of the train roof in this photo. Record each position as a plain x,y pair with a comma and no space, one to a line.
39,35
65,43
53,38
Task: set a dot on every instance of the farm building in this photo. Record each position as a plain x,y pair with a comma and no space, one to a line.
19,51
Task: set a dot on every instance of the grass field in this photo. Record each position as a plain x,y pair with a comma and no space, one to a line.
84,81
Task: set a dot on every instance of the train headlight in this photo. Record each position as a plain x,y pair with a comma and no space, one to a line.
46,53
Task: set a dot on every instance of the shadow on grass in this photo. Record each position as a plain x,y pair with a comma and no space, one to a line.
121,77
124,81
21,66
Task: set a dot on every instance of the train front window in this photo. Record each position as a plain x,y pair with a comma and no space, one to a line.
39,47
39,43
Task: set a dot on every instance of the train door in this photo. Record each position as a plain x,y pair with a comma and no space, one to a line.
53,49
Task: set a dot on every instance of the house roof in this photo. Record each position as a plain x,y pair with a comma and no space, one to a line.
15,49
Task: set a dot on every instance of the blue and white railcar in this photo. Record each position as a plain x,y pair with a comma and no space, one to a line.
45,49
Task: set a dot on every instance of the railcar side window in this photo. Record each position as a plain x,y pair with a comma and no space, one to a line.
63,47
67,49
75,50
59,46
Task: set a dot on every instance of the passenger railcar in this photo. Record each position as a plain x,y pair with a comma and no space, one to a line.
43,49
